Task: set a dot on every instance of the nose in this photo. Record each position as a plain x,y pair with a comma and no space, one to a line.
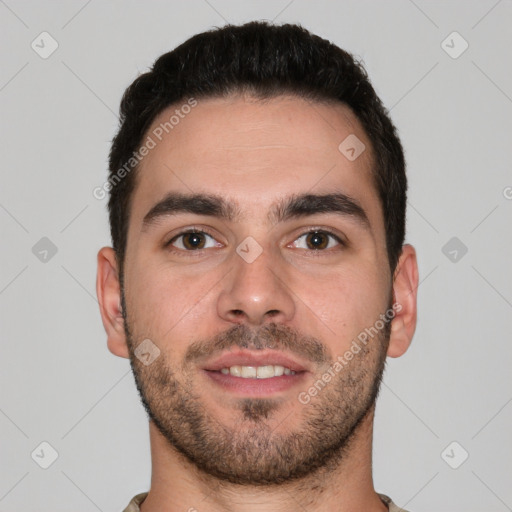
256,292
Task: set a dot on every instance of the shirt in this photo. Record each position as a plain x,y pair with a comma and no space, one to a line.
133,506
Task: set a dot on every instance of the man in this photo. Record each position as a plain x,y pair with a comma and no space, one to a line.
258,277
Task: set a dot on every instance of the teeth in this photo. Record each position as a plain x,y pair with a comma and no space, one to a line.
257,372
278,370
249,372
264,372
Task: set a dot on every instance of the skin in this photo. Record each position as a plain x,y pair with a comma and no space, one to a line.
256,153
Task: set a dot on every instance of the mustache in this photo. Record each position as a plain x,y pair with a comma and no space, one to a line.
270,336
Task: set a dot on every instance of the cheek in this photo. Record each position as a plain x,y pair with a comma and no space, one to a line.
343,303
165,302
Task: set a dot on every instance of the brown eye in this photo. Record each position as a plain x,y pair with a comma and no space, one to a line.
317,240
193,241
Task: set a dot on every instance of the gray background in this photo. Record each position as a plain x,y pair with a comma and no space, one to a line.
59,383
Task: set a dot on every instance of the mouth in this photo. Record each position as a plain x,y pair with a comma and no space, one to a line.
255,373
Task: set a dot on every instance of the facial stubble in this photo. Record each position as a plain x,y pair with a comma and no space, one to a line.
253,449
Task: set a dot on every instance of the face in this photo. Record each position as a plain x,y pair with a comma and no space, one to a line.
255,257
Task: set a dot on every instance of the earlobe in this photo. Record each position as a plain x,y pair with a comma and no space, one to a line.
405,286
109,297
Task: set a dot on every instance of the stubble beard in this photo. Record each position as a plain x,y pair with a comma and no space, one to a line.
252,449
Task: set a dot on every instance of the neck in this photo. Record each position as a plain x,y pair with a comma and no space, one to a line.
177,485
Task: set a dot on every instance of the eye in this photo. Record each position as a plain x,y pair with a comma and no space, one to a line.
193,240
317,240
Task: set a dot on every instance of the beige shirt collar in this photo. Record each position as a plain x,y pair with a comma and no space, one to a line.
134,505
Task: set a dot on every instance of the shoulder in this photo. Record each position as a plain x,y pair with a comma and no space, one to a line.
389,502
133,506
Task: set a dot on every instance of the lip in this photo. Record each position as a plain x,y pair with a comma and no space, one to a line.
255,387
251,358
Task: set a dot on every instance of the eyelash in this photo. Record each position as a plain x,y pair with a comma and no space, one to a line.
313,252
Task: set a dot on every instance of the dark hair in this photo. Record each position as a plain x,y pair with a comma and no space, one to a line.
267,61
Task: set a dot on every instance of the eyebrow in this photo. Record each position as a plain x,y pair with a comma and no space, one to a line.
295,206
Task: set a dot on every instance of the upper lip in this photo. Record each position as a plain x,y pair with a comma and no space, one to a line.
251,358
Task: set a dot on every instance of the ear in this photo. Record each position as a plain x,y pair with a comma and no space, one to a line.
108,290
405,285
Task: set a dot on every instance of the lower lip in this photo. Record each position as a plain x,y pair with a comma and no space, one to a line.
253,386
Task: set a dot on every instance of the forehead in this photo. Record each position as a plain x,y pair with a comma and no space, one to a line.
255,152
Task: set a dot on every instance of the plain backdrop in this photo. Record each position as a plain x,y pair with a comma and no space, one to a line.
442,431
